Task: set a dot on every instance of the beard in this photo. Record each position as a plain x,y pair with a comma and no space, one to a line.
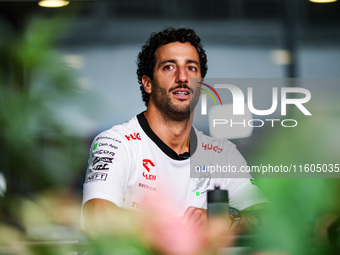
169,110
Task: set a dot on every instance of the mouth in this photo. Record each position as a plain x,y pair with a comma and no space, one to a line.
182,94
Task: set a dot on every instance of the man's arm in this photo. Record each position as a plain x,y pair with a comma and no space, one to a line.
102,217
252,218
98,214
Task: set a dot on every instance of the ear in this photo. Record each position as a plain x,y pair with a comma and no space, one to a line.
147,84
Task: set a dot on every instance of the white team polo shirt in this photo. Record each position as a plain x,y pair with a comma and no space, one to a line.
129,164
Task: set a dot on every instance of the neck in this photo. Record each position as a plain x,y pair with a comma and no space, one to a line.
174,133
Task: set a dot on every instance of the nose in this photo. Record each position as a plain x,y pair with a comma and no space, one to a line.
182,75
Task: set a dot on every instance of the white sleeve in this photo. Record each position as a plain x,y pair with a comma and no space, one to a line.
107,171
242,192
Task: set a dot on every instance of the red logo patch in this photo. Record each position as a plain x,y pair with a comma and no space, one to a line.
211,147
134,136
147,162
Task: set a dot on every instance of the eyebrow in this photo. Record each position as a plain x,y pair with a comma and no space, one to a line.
188,61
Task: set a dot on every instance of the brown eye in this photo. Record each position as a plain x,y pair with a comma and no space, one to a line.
168,67
192,68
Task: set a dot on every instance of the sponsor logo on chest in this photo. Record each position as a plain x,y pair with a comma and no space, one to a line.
211,147
142,185
148,165
134,136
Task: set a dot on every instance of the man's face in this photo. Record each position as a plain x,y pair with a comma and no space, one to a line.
176,64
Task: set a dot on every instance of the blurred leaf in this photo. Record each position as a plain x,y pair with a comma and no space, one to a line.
37,150
297,204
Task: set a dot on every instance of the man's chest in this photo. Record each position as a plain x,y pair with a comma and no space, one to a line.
156,177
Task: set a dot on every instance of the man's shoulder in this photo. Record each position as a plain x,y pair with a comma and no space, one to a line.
208,141
120,132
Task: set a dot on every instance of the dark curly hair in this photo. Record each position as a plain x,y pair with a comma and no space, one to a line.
146,58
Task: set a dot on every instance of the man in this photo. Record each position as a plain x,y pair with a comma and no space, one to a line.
149,154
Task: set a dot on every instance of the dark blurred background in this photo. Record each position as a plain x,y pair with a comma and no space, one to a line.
243,38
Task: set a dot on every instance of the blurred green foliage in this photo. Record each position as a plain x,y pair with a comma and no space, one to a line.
301,208
37,151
